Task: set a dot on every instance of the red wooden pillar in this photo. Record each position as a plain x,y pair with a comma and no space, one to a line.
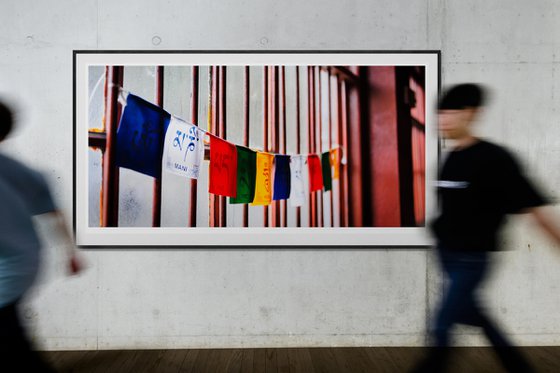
354,150
194,120
110,189
383,120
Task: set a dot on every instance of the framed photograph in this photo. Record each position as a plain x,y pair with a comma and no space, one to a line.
254,149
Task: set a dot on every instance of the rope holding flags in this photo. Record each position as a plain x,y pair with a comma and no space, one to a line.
150,140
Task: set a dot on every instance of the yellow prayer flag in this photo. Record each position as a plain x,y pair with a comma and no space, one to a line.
334,156
263,182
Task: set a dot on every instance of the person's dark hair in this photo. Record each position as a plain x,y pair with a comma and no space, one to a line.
6,120
462,96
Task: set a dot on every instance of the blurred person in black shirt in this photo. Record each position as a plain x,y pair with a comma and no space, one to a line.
478,185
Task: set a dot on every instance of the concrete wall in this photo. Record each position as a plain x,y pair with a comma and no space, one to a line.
219,298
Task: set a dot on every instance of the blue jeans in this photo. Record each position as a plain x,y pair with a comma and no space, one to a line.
15,349
466,271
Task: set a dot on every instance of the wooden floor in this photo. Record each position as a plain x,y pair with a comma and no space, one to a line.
288,360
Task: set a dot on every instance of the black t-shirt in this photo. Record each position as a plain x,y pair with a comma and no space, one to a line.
477,187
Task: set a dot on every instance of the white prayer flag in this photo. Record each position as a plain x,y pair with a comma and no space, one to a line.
299,179
183,148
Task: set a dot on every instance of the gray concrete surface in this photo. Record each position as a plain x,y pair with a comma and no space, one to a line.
257,298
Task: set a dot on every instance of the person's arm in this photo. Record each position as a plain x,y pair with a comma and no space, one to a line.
75,263
547,220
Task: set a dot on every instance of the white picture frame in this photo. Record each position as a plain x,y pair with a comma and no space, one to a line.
317,237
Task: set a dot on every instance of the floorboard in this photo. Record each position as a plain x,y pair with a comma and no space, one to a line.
290,360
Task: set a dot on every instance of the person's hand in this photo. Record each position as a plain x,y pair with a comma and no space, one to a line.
75,264
548,220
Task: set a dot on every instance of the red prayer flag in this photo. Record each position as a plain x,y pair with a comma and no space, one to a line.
315,173
223,167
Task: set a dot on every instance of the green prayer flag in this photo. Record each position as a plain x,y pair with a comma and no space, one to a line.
246,173
326,166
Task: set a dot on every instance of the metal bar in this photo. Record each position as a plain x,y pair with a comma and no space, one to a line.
283,143
110,187
120,83
344,167
345,74
298,138
321,215
309,142
156,204
339,129
271,135
311,128
265,129
355,149
330,139
194,120
246,108
213,77
222,123
274,129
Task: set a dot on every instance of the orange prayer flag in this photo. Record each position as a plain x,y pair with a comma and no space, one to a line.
335,162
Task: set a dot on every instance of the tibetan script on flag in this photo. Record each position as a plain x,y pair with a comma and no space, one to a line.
183,149
298,173
263,185
223,167
140,136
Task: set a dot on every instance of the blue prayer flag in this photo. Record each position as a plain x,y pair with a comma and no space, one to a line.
140,136
282,178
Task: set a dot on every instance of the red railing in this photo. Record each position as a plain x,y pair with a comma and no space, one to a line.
334,97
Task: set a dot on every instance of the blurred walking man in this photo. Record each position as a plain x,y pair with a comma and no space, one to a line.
23,194
478,185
